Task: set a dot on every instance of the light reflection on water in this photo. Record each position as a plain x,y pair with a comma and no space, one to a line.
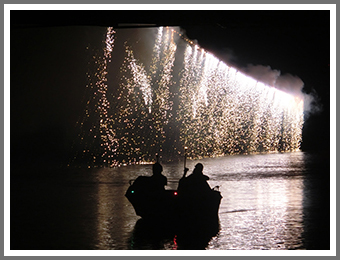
268,203
262,205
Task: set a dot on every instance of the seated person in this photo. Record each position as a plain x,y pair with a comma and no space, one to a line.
147,193
157,180
151,184
195,185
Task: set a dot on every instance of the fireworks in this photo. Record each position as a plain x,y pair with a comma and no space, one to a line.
181,96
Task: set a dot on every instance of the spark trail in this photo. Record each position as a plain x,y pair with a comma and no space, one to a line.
171,94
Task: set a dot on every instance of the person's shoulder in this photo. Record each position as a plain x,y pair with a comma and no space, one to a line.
190,177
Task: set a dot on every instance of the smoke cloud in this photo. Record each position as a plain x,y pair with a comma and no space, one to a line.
262,73
285,82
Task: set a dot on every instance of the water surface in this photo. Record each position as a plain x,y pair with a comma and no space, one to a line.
271,201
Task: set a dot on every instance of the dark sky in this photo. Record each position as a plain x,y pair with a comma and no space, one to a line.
294,42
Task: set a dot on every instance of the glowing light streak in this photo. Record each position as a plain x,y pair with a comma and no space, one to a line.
141,80
219,110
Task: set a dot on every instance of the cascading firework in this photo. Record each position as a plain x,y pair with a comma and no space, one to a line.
160,95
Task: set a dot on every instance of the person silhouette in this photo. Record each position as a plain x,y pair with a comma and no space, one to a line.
195,185
148,185
157,180
147,194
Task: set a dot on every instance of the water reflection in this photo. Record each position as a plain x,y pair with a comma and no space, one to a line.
262,209
114,216
274,201
151,236
104,220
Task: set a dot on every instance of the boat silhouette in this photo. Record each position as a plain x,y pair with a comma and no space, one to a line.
172,205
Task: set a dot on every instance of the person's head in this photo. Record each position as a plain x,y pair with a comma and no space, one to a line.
157,168
198,168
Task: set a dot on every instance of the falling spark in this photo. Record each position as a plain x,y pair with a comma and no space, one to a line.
162,106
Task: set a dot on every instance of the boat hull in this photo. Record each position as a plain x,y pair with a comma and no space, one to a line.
171,205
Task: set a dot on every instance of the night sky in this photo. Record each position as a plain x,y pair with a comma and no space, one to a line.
45,85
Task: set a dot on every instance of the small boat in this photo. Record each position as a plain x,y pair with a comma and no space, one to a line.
172,205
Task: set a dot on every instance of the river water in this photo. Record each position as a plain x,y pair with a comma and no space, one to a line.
270,201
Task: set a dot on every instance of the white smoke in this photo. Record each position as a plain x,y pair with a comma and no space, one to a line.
262,73
286,82
290,84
